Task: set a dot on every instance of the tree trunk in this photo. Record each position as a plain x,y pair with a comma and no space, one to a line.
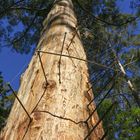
56,102
135,93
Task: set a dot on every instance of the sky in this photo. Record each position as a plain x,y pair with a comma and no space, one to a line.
13,64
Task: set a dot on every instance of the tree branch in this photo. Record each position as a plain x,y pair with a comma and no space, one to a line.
106,22
59,62
88,61
19,101
25,32
7,9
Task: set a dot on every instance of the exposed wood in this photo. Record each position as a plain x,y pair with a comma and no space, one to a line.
58,109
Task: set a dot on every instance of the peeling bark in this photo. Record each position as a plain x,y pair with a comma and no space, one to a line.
58,109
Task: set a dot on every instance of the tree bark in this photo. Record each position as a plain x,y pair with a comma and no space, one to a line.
56,102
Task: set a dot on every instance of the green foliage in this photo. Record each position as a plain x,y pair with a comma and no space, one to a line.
129,122
121,122
6,101
125,41
19,20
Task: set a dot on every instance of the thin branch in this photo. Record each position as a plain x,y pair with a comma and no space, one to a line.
59,62
88,61
106,22
25,32
27,129
60,117
39,100
35,9
27,8
71,42
19,101
123,97
42,68
130,62
7,9
75,33
32,9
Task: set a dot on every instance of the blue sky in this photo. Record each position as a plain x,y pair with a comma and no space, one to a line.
12,64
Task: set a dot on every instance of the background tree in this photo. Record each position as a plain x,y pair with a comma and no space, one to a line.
6,101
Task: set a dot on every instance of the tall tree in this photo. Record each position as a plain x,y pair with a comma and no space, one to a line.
103,27
53,93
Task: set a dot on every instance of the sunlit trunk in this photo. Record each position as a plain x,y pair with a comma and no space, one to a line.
56,102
